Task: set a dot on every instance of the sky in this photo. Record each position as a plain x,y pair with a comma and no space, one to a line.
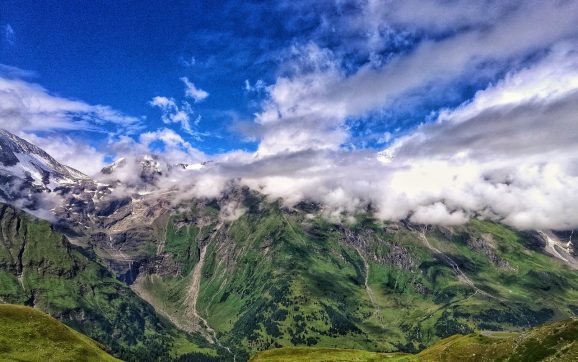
432,110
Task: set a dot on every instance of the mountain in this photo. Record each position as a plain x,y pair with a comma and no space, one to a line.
278,277
551,342
135,170
155,275
142,171
25,169
27,334
275,276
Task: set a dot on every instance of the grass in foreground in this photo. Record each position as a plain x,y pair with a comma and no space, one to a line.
303,354
27,334
551,342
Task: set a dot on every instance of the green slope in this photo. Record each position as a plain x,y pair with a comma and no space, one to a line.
40,268
552,342
280,278
27,334
305,354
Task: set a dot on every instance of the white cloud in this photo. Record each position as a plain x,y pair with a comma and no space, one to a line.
509,154
192,91
174,148
173,113
311,103
29,107
529,113
438,213
231,211
163,102
258,87
507,162
552,79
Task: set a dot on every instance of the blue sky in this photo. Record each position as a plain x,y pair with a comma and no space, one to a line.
122,54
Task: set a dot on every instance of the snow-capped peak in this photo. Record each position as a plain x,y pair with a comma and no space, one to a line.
26,169
19,158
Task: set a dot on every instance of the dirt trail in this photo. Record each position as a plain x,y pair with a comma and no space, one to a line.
194,287
191,303
455,267
376,309
194,321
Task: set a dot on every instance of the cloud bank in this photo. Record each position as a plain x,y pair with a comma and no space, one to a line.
509,154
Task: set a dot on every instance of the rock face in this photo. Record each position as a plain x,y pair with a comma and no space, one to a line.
134,170
487,245
570,240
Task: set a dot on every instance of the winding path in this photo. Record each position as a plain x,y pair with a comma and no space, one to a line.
376,309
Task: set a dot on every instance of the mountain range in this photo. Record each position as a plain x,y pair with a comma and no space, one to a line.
154,275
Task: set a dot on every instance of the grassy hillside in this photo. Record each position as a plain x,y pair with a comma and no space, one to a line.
279,278
40,268
27,334
305,354
552,342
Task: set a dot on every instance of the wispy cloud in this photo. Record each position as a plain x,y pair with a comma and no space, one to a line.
192,91
29,110
173,112
8,34
319,91
27,106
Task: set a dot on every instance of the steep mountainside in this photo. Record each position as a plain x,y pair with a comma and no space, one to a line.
27,334
39,268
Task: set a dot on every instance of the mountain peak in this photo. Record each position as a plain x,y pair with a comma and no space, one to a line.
26,169
15,150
